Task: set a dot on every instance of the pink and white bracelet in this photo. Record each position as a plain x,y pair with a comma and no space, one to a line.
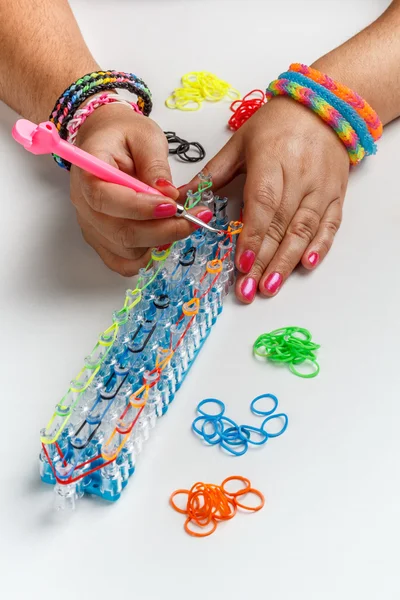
83,113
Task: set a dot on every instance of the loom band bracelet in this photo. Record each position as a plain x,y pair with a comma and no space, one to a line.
219,403
247,429
271,418
347,111
196,533
264,413
251,508
307,97
305,375
239,478
174,506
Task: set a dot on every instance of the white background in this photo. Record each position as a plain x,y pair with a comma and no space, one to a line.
331,524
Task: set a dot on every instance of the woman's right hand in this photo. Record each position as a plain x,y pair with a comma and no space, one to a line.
119,223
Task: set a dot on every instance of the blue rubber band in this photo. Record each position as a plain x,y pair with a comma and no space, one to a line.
264,413
195,429
278,416
212,401
233,451
210,439
345,109
248,428
233,436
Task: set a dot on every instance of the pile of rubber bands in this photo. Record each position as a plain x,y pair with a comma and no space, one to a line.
217,429
197,87
291,345
183,147
246,107
208,504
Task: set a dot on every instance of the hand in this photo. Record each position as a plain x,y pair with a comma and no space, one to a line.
296,177
119,223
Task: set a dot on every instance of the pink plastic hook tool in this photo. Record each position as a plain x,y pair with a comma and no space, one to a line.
44,139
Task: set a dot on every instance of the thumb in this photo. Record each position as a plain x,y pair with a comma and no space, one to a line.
150,154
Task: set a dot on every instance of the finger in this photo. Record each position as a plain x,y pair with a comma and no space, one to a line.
246,285
122,202
262,198
299,234
123,266
322,242
127,234
97,239
149,148
222,167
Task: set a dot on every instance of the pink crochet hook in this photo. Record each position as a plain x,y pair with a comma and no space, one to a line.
44,139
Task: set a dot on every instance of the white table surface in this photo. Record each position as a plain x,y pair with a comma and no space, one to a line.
331,524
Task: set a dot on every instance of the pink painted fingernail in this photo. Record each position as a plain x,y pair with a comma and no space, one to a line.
205,216
273,283
247,260
248,288
313,258
164,210
161,182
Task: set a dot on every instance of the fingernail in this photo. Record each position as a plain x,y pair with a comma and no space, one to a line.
164,210
246,261
161,182
273,283
205,216
248,288
313,258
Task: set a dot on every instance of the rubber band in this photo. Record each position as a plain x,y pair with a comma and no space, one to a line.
236,478
271,418
248,428
264,413
291,345
208,505
228,447
211,401
246,107
197,87
251,508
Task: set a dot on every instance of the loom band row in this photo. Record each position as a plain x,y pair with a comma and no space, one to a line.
365,111
305,375
327,113
345,109
272,418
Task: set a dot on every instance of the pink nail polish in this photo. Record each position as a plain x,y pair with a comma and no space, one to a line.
164,210
161,182
248,288
205,215
273,283
246,261
313,258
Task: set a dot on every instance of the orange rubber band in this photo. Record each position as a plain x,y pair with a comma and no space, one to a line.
198,534
257,493
174,506
236,478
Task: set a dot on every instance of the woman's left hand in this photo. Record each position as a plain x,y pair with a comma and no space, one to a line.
296,177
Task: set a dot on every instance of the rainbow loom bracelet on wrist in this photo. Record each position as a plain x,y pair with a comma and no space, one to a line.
89,85
362,107
350,116
345,109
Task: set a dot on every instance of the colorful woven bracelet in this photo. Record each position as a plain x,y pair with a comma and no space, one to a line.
345,109
83,113
362,107
88,86
329,114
